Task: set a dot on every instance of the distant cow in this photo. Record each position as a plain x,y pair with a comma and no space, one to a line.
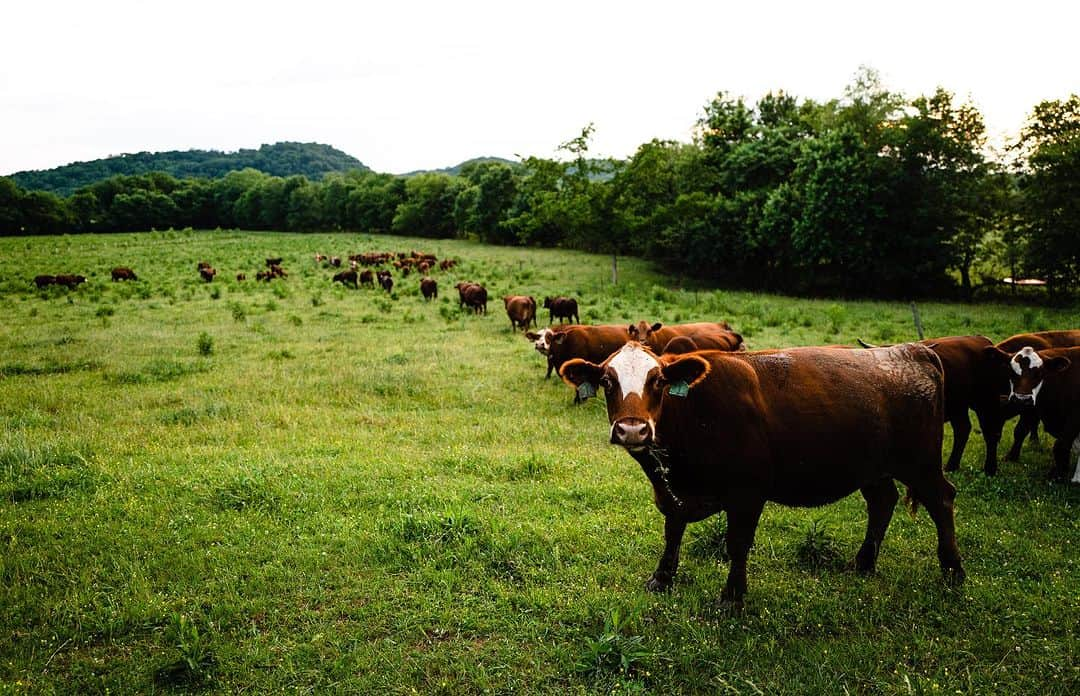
335,261
387,282
202,265
706,335
561,308
447,264
319,258
273,262
472,295
70,281
208,273
241,276
123,273
276,271
680,345
367,278
521,309
44,280
347,278
429,288
717,431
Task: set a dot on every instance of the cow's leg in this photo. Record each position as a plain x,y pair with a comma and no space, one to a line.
937,496
550,366
881,500
961,429
662,577
1028,423
742,519
991,421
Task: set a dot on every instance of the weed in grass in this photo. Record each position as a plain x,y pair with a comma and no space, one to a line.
247,492
283,354
818,550
367,318
316,299
710,539
272,306
280,291
196,661
239,313
31,471
295,320
836,315
614,649
215,292
191,416
160,371
205,344
48,368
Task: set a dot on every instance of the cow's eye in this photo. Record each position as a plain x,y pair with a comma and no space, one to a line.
605,382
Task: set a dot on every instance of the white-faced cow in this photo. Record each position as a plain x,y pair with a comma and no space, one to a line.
802,427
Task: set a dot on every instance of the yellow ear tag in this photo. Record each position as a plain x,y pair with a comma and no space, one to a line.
679,389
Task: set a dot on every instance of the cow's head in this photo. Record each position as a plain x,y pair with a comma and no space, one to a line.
1028,370
634,381
547,303
542,340
640,331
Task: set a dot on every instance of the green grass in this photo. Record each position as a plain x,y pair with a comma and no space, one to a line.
297,486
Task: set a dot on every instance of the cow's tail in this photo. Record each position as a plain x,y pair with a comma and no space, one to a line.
864,344
911,503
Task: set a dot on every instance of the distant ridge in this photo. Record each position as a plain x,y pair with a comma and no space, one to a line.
457,168
312,160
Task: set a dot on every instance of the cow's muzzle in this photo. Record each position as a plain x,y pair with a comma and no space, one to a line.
1021,399
632,433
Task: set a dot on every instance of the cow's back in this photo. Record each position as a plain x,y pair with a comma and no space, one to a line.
592,343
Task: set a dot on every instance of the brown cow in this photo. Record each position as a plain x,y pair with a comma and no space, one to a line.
995,376
592,343
202,265
472,295
207,273
335,261
563,308
447,264
386,281
346,277
241,277
123,273
44,280
270,263
367,278
429,288
70,281
276,271
706,335
1048,383
802,427
521,309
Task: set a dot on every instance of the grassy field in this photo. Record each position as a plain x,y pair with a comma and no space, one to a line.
250,487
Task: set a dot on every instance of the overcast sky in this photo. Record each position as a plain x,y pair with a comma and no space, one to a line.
411,84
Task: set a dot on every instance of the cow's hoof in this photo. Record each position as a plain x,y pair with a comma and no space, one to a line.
730,607
954,577
658,583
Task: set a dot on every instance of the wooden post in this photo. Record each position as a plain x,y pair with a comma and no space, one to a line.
918,320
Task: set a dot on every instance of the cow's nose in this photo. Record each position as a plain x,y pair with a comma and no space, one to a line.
631,432
1020,398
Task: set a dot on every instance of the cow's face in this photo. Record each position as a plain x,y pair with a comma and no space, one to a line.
1029,370
634,381
641,331
541,341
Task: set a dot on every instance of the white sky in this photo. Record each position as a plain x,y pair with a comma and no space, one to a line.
415,84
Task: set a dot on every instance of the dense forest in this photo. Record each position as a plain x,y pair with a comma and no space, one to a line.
280,159
872,193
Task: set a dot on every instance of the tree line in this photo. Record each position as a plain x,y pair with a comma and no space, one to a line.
869,194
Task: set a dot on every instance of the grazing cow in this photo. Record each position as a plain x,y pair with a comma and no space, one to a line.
429,288
123,273
706,335
270,263
208,273
472,295
319,258
1048,382
447,264
277,271
202,265
335,261
346,277
563,308
44,280
386,281
424,267
367,278
521,309
802,427
70,281
241,277
592,343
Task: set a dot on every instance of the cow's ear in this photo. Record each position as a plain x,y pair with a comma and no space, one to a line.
655,327
1057,364
996,355
690,369
558,338
577,372
532,335
632,330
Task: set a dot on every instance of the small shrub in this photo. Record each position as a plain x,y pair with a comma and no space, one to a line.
271,306
215,292
295,320
196,661
819,550
836,314
238,311
205,344
614,650
316,299
280,292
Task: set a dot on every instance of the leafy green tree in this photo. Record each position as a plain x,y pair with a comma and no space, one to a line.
428,209
484,203
1050,183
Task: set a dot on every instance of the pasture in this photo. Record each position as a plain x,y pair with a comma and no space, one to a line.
297,486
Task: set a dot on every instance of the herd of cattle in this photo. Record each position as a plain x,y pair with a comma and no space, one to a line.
718,428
